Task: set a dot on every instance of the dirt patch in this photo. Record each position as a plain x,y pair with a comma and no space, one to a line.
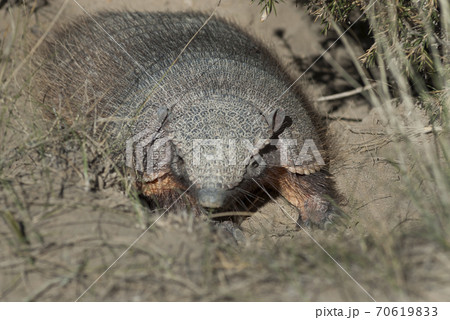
67,217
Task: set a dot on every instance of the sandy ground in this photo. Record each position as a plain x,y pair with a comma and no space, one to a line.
75,234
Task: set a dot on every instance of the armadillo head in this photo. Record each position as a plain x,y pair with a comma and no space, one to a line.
216,143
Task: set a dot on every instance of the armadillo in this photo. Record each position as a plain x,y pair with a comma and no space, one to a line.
199,108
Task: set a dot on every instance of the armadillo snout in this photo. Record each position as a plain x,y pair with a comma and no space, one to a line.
211,198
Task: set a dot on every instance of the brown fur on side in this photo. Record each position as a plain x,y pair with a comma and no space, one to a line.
306,192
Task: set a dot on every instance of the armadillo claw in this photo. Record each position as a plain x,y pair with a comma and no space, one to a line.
232,230
319,212
304,170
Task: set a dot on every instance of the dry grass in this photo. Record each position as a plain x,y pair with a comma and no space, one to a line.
67,213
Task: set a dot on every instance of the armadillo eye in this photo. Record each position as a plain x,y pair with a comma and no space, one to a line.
253,169
177,166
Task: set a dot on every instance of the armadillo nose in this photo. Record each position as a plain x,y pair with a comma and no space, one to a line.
211,198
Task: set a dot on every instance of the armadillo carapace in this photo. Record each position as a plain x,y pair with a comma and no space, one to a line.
217,119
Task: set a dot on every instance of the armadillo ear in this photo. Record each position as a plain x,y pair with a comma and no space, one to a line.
158,163
162,114
275,119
